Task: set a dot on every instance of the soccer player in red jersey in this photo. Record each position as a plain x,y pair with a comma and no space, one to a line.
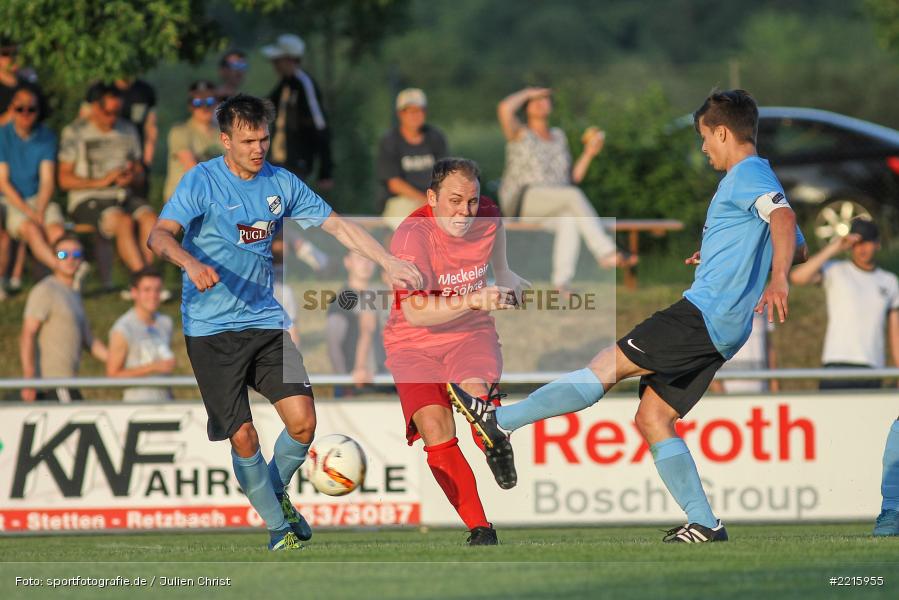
444,334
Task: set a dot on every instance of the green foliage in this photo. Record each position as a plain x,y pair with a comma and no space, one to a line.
74,42
358,25
649,167
885,15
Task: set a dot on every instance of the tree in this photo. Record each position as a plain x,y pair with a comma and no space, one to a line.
74,42
885,14
348,29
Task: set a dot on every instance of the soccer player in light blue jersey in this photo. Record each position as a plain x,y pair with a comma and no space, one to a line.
230,208
750,231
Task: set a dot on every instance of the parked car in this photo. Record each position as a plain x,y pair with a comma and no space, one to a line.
833,167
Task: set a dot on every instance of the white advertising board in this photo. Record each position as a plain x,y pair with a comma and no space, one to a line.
133,467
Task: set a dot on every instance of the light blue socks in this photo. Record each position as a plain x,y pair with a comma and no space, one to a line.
252,475
288,456
889,486
573,392
678,472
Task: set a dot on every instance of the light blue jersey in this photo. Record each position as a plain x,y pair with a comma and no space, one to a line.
736,252
229,224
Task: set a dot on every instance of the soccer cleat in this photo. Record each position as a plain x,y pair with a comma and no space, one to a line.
887,523
501,461
694,533
297,522
497,447
284,541
482,536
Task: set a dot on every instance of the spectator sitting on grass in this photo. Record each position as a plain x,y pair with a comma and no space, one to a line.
140,340
55,327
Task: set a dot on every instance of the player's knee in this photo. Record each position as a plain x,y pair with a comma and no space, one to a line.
302,429
650,421
434,430
245,440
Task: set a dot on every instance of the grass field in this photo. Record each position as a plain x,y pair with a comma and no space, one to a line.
792,561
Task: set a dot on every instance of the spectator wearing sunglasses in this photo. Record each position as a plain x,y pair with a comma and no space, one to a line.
11,75
100,166
27,176
232,73
55,327
196,139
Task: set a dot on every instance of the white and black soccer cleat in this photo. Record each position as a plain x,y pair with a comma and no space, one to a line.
497,447
694,533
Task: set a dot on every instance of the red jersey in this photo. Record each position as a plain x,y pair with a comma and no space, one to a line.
450,266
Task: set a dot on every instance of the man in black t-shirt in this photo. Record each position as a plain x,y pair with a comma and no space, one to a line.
406,155
139,107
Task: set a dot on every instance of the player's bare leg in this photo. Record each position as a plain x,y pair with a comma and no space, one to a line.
437,428
298,415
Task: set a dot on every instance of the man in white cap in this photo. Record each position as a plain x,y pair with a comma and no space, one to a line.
300,136
406,155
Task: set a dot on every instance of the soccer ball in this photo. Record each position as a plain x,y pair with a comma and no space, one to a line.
336,465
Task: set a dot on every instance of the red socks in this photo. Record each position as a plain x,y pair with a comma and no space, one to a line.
474,435
456,478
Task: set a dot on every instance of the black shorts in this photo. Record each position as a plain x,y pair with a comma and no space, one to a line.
90,211
675,345
226,363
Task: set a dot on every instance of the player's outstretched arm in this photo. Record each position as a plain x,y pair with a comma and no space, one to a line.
783,240
355,238
164,245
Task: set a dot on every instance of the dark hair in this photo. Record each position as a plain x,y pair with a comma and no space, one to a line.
243,109
223,61
445,167
68,237
137,276
34,90
100,90
734,109
201,85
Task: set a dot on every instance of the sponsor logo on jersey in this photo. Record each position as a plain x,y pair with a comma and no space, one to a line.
462,281
274,204
778,198
258,231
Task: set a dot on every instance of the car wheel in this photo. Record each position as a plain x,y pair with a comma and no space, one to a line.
834,217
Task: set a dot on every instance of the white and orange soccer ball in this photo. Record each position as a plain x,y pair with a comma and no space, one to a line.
336,465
